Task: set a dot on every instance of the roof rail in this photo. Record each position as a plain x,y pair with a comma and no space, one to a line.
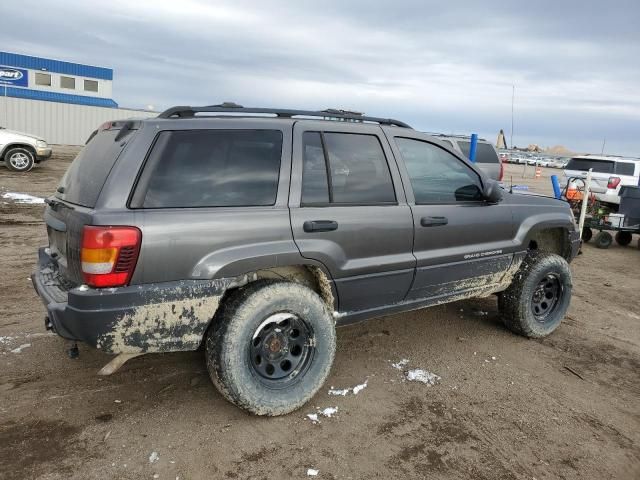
230,107
453,135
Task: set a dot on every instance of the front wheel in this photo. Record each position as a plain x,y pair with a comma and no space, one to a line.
19,160
624,238
272,347
538,298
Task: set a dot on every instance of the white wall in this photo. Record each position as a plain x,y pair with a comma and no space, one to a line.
59,123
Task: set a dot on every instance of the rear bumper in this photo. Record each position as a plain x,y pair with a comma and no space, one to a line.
161,317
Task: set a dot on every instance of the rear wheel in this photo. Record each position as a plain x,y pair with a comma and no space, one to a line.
19,159
537,300
271,348
603,240
624,238
587,234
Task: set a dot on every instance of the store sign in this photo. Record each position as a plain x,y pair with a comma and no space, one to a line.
15,77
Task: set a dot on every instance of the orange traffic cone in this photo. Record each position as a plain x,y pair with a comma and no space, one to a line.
538,171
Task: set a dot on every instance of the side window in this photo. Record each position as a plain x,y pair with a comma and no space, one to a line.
623,168
211,168
436,175
358,170
315,188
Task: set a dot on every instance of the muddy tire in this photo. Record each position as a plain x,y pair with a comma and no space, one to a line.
623,238
271,347
19,159
603,240
587,234
538,298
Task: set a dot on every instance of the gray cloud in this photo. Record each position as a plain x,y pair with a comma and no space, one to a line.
441,68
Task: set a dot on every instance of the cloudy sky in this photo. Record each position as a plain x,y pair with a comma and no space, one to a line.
440,66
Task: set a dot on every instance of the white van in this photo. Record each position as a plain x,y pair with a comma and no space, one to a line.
608,175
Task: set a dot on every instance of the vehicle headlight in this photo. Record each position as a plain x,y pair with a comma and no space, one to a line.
41,144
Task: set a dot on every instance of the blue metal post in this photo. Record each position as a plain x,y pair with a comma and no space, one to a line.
473,147
556,186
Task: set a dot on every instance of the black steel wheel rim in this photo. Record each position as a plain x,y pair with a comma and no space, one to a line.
546,297
281,349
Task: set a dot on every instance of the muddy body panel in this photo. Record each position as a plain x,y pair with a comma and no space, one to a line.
156,317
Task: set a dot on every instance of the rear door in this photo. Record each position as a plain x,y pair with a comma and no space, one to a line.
461,242
602,171
349,212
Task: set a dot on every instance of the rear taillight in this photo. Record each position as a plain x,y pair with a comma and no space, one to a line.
109,255
613,182
501,174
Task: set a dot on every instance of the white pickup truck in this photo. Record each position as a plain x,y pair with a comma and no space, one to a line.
21,151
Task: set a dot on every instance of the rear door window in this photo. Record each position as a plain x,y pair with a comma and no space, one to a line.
484,152
345,168
211,168
87,174
584,164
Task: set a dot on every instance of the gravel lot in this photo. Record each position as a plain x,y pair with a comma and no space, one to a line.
506,407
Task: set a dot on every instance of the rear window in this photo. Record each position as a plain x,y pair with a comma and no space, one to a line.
484,152
623,168
211,168
584,164
85,177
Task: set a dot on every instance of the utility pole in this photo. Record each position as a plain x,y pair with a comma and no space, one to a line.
513,96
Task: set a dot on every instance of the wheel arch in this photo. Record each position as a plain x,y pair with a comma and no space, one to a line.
26,146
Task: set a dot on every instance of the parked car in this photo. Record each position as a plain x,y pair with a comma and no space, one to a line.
21,151
609,174
255,236
486,156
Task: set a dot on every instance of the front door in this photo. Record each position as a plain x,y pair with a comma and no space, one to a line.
350,213
461,241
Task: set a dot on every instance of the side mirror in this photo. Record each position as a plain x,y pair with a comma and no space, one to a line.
492,191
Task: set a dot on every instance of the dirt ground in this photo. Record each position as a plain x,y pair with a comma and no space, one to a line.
506,407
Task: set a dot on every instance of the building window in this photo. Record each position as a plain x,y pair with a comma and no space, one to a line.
90,86
67,82
43,79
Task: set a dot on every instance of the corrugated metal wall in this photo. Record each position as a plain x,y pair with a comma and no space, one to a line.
59,123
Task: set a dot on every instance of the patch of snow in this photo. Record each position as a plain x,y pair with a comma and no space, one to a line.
329,411
313,417
339,392
22,198
344,392
359,388
401,364
20,348
6,339
419,375
493,358
154,457
312,473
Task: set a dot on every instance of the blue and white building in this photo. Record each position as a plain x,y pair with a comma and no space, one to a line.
36,78
60,101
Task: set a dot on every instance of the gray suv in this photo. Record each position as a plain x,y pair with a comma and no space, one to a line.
254,232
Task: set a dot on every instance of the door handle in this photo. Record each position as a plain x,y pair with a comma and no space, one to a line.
319,226
433,221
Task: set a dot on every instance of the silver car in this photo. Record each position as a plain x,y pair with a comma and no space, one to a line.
21,151
486,156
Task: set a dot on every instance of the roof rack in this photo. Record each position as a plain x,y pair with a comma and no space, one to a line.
230,107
